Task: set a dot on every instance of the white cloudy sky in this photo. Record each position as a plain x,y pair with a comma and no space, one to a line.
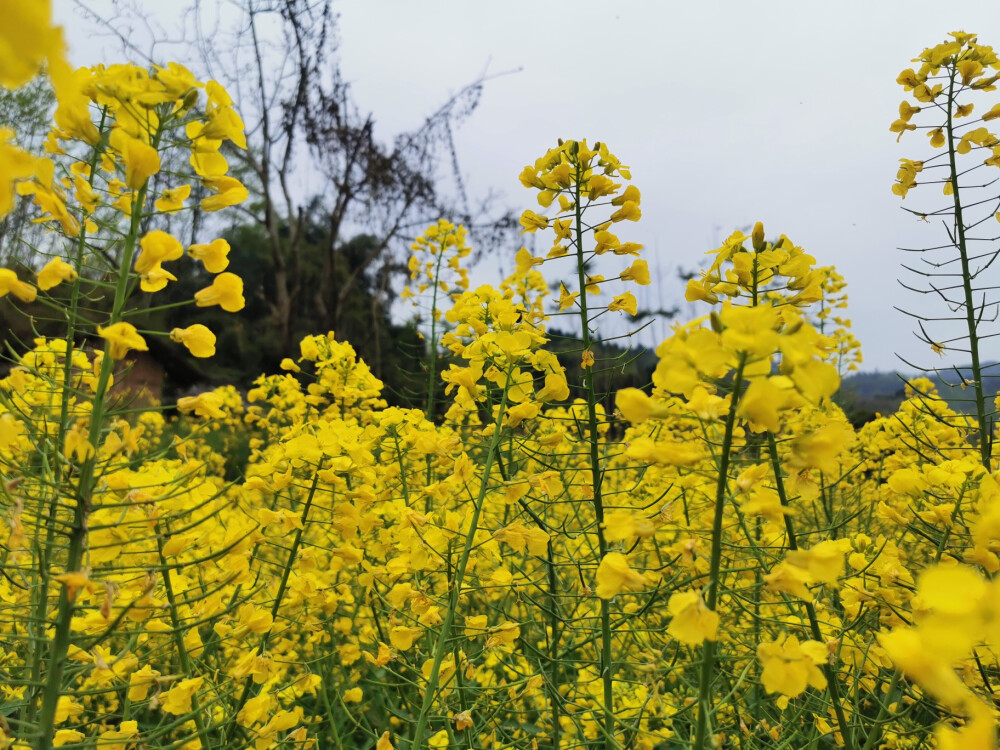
728,112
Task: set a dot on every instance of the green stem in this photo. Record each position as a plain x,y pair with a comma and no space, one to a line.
970,310
182,652
293,553
607,666
883,712
85,489
831,674
432,348
432,352
715,563
555,697
459,577
41,609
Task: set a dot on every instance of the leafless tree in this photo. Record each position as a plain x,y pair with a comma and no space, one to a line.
305,107
279,60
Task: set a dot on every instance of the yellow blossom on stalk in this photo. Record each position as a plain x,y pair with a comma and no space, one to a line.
176,80
177,700
566,299
605,241
73,582
117,739
77,444
555,389
214,256
765,399
15,165
436,261
968,64
198,339
790,579
141,160
780,271
637,272
72,116
626,302
521,537
205,158
532,222
631,192
628,248
615,575
122,338
575,170
822,448
155,279
172,199
227,191
157,247
517,413
282,721
666,451
51,200
226,291
54,273
824,562
68,707
503,635
692,622
764,501
224,122
624,525
636,406
9,284
256,709
86,197
403,637
66,737
628,212
525,260
140,682
790,666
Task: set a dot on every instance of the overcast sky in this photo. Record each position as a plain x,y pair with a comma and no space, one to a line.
728,112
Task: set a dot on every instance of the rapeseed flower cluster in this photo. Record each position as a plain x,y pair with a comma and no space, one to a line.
721,560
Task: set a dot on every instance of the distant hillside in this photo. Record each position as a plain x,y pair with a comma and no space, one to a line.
865,394
950,385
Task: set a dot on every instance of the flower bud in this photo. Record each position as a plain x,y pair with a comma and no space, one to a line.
793,328
190,99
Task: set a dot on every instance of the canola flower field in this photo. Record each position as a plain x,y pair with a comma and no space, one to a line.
721,561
